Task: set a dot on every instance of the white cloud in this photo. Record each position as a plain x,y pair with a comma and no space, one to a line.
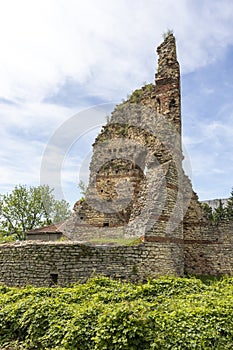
25,130
106,47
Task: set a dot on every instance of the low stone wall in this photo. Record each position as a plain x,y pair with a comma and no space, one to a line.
209,259
212,252
63,263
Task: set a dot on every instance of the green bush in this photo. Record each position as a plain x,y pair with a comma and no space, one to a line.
164,313
4,238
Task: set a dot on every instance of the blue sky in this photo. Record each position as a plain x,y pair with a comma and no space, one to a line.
61,57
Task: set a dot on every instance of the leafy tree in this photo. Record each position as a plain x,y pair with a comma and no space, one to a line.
219,213
82,188
208,211
27,208
229,207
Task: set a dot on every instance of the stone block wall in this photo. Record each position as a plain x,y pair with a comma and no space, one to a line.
212,252
63,263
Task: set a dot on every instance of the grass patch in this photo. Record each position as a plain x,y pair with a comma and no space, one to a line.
116,241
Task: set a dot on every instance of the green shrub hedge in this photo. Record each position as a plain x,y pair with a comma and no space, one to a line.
166,313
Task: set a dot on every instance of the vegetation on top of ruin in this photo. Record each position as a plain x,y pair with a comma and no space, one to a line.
138,94
167,33
112,129
164,313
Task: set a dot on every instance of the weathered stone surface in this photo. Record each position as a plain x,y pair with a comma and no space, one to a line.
211,251
136,175
37,262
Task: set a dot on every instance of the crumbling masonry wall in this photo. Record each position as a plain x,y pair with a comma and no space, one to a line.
136,168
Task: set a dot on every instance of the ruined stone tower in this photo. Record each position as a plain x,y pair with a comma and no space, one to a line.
135,173
167,81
